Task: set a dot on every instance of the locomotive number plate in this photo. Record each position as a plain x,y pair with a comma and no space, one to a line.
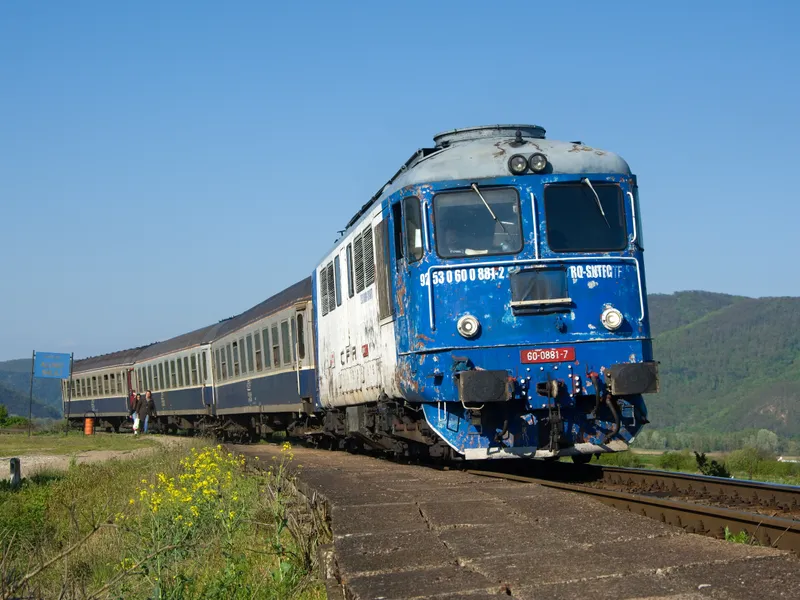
546,355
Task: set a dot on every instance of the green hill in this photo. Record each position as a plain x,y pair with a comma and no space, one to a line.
15,375
728,363
17,404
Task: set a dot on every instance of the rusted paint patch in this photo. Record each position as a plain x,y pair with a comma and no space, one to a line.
400,293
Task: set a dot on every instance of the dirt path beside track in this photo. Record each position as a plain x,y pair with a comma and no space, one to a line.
32,464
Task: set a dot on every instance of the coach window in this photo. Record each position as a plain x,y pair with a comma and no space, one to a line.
350,281
584,217
194,369
301,337
94,386
294,340
397,218
186,369
173,382
287,353
250,353
229,354
477,223
259,361
151,384
243,356
112,383
219,365
276,348
265,334
236,370
83,388
205,366
180,374
158,377
105,385
411,208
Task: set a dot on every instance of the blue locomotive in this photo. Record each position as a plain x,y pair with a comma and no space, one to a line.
488,302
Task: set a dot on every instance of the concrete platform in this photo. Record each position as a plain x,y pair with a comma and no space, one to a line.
410,532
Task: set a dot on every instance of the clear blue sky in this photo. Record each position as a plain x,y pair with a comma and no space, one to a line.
167,164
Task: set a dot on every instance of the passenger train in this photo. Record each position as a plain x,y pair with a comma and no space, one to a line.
488,301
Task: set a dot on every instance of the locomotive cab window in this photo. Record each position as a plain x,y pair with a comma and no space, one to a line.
413,228
584,217
480,222
397,220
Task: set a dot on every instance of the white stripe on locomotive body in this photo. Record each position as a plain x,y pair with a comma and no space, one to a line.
285,315
345,334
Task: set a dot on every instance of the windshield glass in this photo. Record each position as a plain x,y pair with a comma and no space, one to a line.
575,222
465,226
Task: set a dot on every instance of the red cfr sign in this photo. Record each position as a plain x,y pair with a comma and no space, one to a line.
546,355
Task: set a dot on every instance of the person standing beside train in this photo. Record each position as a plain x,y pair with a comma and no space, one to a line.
151,408
137,413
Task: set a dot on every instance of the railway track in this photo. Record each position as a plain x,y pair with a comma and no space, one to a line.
708,505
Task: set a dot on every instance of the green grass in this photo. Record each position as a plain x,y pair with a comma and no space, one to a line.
19,444
737,538
182,525
747,463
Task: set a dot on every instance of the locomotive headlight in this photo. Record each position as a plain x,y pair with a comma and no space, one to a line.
517,164
537,162
611,319
468,326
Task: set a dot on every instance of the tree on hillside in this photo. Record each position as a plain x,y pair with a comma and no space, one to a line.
764,441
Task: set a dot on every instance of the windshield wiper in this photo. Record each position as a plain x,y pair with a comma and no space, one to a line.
491,212
597,198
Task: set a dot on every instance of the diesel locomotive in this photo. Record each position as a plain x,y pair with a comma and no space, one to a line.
488,301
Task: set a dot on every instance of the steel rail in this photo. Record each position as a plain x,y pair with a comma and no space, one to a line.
773,532
784,497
